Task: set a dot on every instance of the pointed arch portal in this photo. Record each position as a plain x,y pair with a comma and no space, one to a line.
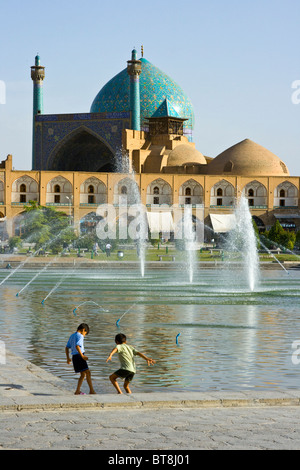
83,151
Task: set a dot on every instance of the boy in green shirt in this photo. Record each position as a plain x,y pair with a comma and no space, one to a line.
126,357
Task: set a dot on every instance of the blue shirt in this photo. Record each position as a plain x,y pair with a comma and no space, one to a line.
76,339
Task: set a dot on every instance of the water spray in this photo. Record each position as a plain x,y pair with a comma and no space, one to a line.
272,254
243,239
125,167
118,321
34,277
279,246
91,302
189,241
32,255
57,285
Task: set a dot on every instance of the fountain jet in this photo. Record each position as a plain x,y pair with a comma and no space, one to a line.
243,240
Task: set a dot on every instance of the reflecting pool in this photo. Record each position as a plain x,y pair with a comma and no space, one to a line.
231,338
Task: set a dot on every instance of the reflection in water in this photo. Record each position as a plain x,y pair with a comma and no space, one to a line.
230,338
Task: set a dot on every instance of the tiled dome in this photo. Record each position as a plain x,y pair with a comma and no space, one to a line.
155,87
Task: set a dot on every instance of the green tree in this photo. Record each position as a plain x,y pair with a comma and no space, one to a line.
14,242
297,241
35,228
288,239
281,237
46,227
256,231
276,232
86,241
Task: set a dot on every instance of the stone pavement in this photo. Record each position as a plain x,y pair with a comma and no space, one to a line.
40,411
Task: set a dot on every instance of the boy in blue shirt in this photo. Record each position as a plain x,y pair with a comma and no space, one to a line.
76,344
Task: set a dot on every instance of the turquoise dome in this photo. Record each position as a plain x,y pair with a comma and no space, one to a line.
155,88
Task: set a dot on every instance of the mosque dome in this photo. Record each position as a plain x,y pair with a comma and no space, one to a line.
246,159
185,154
155,88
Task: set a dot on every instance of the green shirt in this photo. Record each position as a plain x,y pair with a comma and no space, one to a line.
126,356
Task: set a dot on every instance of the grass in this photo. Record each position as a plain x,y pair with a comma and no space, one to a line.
152,254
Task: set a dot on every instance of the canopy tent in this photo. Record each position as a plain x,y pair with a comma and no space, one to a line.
222,223
160,222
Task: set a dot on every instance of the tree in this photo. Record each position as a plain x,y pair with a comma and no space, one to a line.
46,227
35,228
281,237
256,231
297,242
276,232
14,242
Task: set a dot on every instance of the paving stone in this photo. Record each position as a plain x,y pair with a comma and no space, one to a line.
38,411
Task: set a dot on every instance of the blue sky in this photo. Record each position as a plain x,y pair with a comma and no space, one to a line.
236,60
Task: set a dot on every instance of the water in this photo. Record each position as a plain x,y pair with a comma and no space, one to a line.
231,337
140,231
273,256
190,244
242,239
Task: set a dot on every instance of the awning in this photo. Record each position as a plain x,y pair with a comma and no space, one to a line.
160,222
287,216
222,223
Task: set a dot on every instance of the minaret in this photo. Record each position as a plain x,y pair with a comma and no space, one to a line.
134,68
37,75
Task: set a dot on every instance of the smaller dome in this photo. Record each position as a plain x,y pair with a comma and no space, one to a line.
185,154
246,159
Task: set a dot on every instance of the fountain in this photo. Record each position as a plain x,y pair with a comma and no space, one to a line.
141,235
242,239
238,340
88,302
189,241
21,265
36,276
273,256
281,247
227,329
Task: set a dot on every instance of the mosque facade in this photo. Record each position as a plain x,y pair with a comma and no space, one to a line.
138,136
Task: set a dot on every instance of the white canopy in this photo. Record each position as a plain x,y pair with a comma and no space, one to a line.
222,223
160,222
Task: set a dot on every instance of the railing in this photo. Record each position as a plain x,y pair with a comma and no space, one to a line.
59,204
165,204
83,204
286,207
231,206
194,206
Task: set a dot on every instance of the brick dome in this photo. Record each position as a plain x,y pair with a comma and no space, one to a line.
246,159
